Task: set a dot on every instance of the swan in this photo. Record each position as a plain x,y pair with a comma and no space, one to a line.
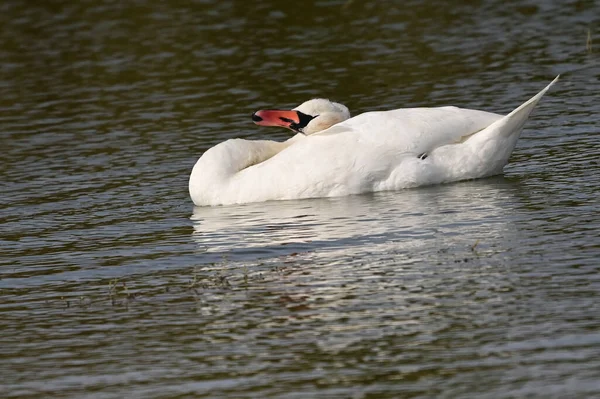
334,154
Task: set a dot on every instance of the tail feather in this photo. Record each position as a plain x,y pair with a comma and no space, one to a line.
493,145
517,118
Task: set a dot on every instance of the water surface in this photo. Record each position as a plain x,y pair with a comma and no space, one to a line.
113,285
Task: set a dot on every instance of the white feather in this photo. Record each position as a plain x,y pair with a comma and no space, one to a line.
374,151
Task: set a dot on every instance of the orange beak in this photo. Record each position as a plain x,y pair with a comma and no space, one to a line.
275,117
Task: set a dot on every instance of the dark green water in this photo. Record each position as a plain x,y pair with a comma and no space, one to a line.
112,285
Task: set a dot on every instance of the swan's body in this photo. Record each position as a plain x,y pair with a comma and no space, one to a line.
374,151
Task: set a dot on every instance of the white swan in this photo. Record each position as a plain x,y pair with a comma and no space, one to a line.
333,154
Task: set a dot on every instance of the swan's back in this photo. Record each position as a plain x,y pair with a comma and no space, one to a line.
416,129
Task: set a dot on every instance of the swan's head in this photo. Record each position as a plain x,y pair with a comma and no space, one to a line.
309,117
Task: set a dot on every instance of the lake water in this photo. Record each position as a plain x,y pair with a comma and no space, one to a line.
112,285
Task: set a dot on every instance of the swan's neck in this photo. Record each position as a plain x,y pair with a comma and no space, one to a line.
235,155
213,172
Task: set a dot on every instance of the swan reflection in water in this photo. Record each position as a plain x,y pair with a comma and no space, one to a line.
384,248
434,216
